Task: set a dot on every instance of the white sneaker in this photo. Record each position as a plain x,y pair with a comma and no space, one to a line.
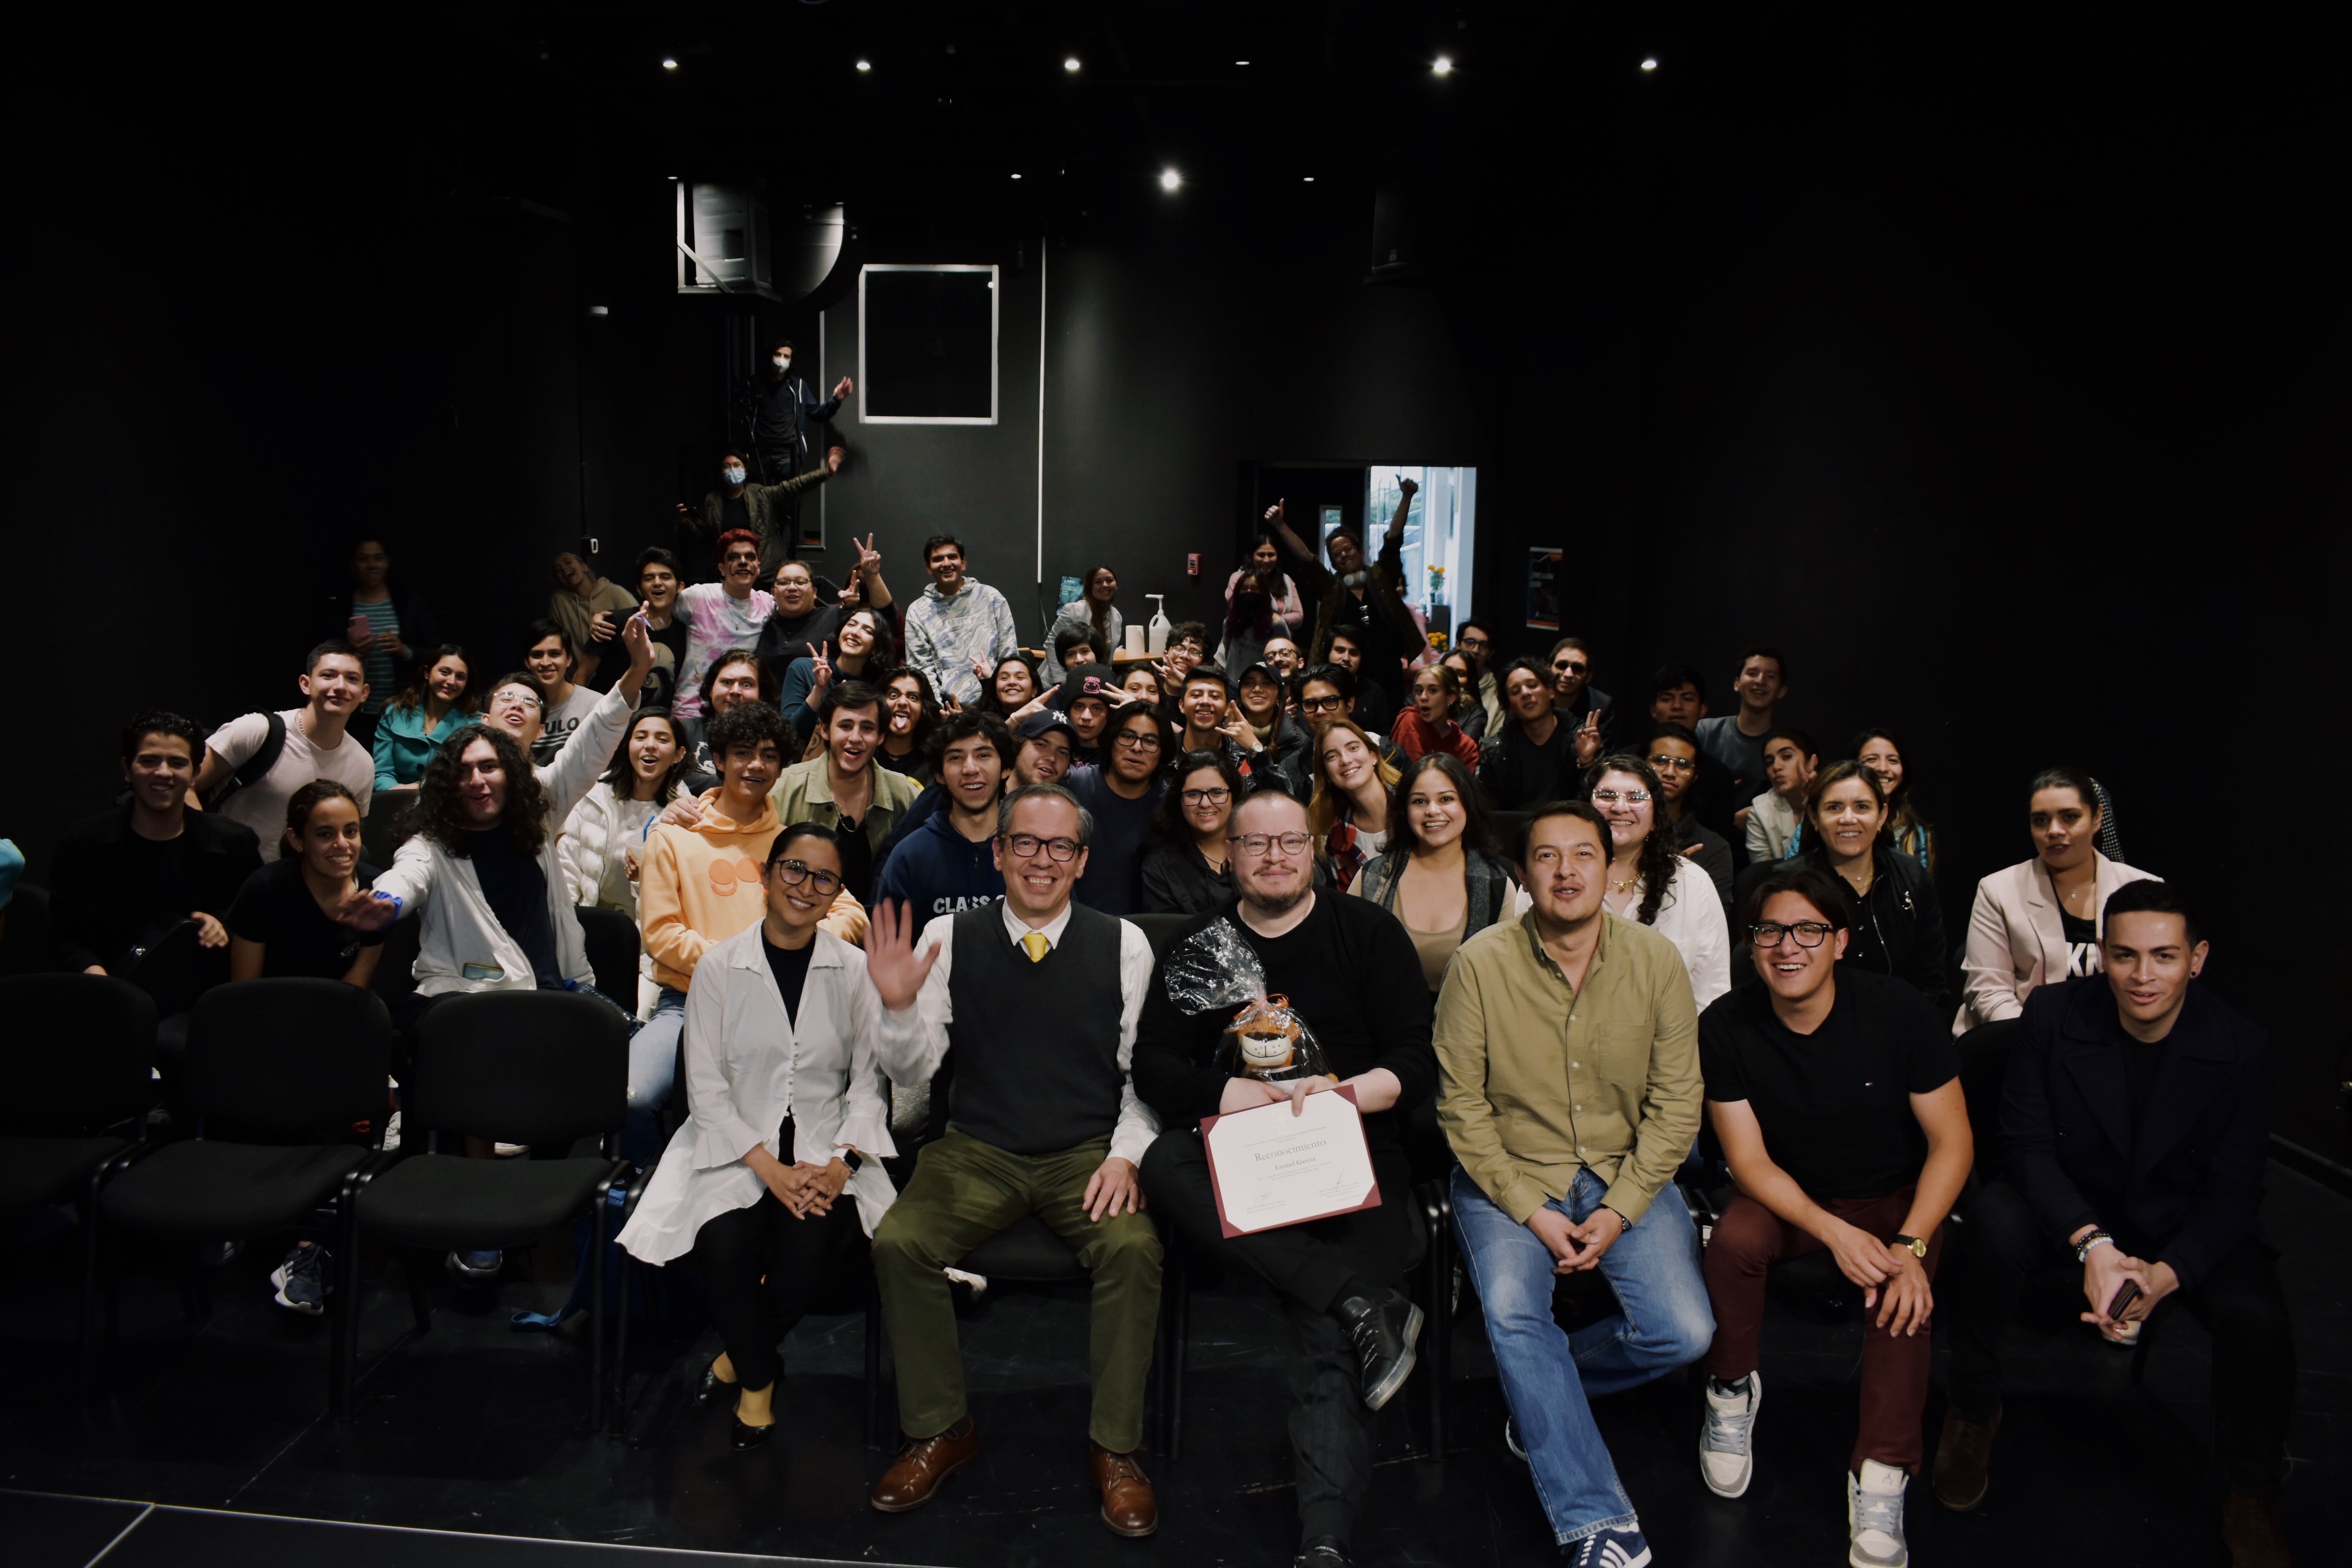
1727,1459
1874,1517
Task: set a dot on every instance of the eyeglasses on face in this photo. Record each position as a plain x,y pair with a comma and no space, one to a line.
1320,704
1675,764
1611,796
1264,844
1808,934
1137,740
1569,666
796,873
1217,797
1027,845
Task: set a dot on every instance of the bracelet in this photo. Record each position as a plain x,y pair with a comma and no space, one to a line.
2083,1248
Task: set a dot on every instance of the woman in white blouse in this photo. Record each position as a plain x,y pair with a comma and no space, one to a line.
790,1115
1653,882
2038,920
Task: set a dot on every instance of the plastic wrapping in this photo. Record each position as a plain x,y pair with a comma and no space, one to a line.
1214,969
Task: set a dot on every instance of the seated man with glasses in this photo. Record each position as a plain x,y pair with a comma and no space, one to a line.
1564,1171
1836,1095
1035,1001
1350,971
1120,794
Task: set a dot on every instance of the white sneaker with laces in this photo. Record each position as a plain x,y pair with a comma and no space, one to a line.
1727,1459
1874,1517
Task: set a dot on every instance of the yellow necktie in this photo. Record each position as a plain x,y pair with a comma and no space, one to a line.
1034,944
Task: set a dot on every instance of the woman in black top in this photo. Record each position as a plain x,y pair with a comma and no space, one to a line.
282,923
1898,926
1185,872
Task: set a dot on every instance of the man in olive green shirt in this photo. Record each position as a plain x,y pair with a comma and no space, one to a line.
1568,1050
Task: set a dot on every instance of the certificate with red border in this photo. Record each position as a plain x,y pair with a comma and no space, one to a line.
1270,1168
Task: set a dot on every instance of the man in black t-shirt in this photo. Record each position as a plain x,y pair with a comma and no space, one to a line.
1349,971
1837,1099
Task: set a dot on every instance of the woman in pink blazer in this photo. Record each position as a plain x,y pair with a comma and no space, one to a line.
2038,920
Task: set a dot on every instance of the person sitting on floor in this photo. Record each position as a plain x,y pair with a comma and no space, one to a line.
2135,1129
1349,973
1836,1095
1040,1121
2037,921
789,1113
1563,1172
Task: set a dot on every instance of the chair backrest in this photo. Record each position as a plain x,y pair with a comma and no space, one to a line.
521,1067
396,970
1158,930
611,939
289,1058
76,1052
176,968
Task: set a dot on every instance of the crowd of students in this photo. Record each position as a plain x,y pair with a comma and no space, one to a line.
1576,959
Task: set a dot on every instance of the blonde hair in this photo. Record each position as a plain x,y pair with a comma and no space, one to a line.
1323,810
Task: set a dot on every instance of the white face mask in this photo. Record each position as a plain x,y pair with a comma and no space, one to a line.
732,474
783,361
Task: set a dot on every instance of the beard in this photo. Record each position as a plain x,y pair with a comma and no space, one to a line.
1279,904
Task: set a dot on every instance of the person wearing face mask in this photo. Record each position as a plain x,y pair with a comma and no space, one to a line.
1264,562
590,609
426,712
1370,600
782,409
1652,882
1440,875
1898,923
1250,617
762,510
292,747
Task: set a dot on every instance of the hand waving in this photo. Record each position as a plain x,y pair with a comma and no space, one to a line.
892,964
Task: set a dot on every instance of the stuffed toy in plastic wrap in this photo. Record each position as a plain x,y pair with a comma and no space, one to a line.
1214,969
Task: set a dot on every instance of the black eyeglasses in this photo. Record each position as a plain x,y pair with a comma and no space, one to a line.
1320,704
1135,740
1026,846
1217,797
796,873
1808,934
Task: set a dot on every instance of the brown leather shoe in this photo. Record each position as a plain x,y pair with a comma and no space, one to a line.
2250,1528
1128,1507
922,1465
1963,1453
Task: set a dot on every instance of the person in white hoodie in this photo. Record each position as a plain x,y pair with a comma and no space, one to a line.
790,1114
604,843
956,624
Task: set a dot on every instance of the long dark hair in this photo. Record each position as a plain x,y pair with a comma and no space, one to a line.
1659,853
440,815
1478,826
1903,818
1169,825
989,701
623,777
414,693
927,716
883,655
1250,609
1098,612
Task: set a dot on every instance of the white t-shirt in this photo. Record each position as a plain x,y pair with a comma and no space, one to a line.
560,719
261,804
717,623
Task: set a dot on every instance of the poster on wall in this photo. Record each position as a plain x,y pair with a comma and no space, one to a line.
1543,587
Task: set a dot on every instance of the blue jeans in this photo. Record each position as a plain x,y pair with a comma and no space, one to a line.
653,1052
1662,1323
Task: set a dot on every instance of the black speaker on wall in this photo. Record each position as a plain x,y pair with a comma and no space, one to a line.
1401,235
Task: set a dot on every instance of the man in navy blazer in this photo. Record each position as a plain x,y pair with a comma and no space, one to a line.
2134,1125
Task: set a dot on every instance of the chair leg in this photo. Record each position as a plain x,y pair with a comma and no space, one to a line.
342,1309
597,1314
110,1244
621,1350
86,1303
873,1361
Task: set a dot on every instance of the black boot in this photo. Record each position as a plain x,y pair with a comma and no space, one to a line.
1382,1329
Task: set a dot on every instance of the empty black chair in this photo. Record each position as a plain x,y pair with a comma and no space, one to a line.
76,1056
612,939
538,1067
286,1067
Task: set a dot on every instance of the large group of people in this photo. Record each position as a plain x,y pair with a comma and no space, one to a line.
1589,965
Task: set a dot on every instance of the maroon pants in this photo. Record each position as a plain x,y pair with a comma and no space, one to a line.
1748,1239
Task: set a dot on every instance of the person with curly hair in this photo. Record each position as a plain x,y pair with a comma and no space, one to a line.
1651,879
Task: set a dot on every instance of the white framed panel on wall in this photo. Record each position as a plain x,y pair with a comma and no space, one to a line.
927,344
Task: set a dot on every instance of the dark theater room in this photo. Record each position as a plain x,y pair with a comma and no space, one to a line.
1581,685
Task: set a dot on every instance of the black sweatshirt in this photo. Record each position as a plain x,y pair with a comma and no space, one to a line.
1350,973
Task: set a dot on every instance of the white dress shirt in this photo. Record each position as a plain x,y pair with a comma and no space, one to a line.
914,1042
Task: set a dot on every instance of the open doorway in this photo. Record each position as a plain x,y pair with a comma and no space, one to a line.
1439,531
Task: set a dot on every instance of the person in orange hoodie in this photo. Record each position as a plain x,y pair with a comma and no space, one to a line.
700,885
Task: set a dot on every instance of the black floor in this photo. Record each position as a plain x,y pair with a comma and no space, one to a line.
478,1430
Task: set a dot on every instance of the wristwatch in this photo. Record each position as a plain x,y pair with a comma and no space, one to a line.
1918,1249
849,1157
2083,1248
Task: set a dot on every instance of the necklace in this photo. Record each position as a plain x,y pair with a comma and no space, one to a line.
1627,886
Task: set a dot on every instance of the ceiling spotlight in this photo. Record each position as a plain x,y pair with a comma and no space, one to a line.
670,65
1170,179
1440,67
1241,62
1016,176
1650,65
1307,178
866,65
1071,64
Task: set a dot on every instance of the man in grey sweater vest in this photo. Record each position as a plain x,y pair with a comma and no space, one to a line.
1042,1118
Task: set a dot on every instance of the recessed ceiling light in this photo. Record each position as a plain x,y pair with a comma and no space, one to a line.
1071,64
866,65
1308,178
1241,62
1016,176
1650,65
1440,67
670,65
1170,179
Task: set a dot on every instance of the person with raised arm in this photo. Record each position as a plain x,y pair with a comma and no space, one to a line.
1366,600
